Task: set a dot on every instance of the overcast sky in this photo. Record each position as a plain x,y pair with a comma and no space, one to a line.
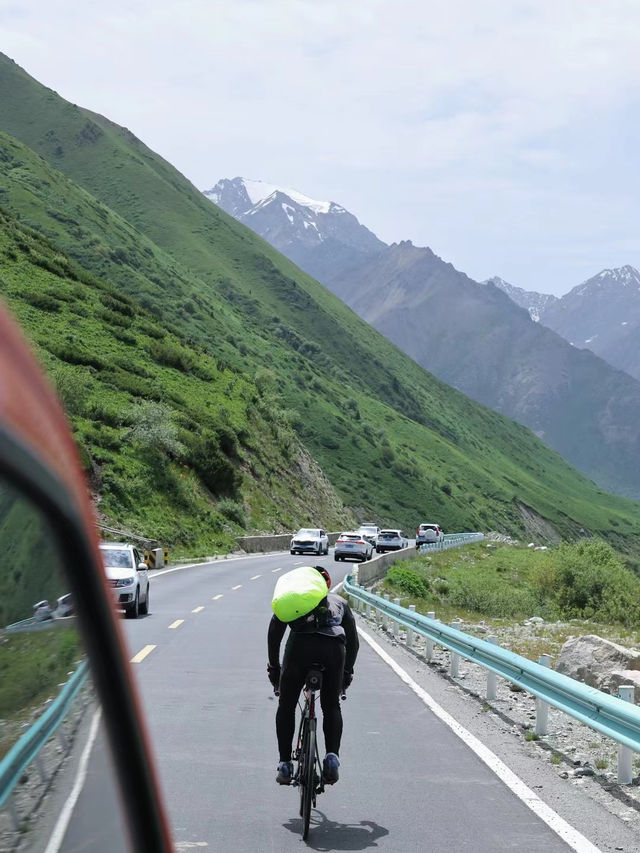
504,134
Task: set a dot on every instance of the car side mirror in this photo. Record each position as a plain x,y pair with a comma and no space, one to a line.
73,744
142,567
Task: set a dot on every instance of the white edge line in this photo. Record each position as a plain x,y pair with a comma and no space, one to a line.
160,572
567,833
62,824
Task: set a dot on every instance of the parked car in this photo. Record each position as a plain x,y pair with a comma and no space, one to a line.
369,531
427,534
128,577
351,545
391,540
310,539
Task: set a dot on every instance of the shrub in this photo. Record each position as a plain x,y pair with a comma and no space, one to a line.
209,462
233,510
42,301
171,355
408,581
151,427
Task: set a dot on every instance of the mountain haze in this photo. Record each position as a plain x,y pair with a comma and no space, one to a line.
476,339
246,348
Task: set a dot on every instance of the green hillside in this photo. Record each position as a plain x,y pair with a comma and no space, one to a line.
395,443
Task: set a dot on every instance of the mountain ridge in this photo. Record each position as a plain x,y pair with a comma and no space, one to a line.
394,442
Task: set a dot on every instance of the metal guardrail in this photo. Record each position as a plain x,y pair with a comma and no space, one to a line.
451,540
25,750
612,716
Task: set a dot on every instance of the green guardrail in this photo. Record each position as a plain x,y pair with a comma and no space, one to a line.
24,751
610,715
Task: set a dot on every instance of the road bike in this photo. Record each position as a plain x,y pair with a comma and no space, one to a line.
308,775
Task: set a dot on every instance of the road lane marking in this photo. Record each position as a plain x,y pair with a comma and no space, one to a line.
216,597
197,609
255,577
236,587
60,829
277,570
176,624
142,654
568,833
223,560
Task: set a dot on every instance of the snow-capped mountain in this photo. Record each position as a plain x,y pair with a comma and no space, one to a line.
535,303
603,315
320,236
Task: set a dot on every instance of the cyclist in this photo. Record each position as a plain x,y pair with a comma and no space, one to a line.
325,636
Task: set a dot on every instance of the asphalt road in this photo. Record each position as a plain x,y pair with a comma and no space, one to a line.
407,782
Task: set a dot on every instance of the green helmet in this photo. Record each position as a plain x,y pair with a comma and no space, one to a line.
298,593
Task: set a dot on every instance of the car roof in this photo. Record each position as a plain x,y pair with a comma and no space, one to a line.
116,545
425,524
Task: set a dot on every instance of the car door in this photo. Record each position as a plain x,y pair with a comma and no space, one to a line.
143,573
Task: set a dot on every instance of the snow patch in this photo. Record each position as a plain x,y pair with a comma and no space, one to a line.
259,191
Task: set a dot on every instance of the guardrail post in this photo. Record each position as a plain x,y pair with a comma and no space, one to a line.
625,755
542,707
492,678
454,666
13,811
412,607
384,615
396,624
428,649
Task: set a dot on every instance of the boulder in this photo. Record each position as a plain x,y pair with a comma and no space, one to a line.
625,676
598,662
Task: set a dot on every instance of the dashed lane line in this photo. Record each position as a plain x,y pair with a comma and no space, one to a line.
198,609
217,597
142,654
255,577
236,587
277,570
176,624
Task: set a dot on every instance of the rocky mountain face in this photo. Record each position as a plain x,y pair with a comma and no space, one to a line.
601,314
535,303
321,237
475,338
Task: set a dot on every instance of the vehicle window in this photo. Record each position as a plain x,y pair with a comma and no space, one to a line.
117,558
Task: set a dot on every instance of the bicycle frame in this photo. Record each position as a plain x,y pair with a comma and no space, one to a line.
308,776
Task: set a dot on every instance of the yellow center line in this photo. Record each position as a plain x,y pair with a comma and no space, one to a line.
197,609
142,654
177,623
236,587
216,597
277,570
255,577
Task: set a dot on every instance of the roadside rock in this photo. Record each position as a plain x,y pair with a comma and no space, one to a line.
594,660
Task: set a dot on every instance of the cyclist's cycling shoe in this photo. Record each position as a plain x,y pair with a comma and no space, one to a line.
330,766
285,773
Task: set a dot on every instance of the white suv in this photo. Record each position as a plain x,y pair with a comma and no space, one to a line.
310,539
128,577
428,534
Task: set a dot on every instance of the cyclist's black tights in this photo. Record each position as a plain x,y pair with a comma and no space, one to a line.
301,652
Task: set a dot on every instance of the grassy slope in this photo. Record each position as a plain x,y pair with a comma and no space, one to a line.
108,356
359,404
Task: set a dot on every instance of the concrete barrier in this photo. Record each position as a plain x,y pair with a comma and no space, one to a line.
375,569
277,542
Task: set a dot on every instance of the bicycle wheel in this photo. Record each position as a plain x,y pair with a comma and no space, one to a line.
307,780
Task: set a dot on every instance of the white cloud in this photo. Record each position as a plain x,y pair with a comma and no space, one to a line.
480,107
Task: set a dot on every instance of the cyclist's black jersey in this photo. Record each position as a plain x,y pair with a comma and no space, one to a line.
331,618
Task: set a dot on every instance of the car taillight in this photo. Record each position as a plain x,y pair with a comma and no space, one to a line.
418,532
359,542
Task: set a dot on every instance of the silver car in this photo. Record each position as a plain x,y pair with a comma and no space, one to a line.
352,545
312,539
128,577
369,531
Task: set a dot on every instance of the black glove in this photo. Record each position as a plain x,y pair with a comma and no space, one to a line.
273,673
347,678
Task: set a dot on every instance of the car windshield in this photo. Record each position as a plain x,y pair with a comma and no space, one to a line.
307,531
117,558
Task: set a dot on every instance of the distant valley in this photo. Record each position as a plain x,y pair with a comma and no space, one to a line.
472,336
